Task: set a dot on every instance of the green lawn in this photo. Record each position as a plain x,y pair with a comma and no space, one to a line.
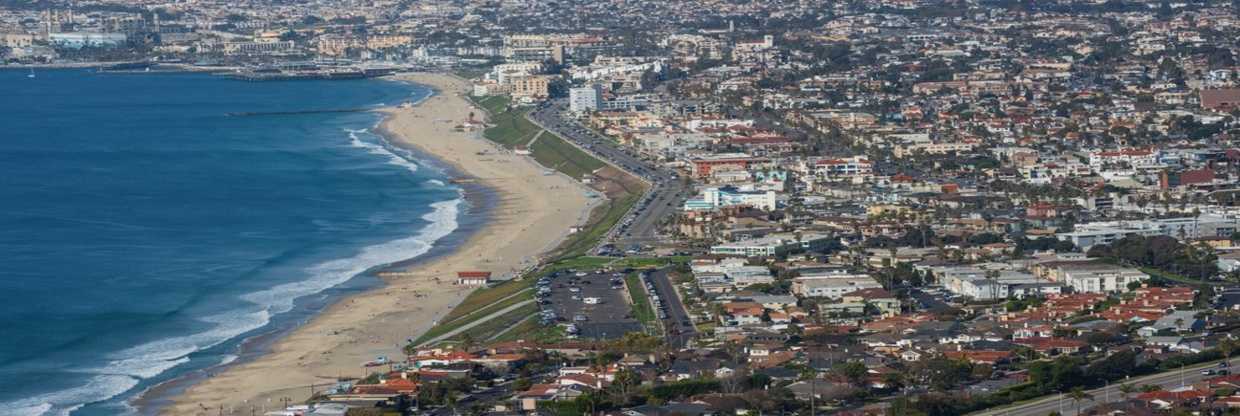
485,297
642,310
488,329
531,330
580,243
462,316
1166,275
510,128
553,152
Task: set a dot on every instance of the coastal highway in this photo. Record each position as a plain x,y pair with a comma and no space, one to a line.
666,192
1111,393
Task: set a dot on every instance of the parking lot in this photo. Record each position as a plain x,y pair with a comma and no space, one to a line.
591,304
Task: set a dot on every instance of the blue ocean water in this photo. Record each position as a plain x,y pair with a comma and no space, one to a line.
144,230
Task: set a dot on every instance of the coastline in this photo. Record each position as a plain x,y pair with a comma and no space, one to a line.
520,226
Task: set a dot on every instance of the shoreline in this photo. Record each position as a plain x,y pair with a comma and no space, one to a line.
517,228
475,197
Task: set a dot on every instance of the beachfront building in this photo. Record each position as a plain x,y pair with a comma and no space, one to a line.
473,278
78,40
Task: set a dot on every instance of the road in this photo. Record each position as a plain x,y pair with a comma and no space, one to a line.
667,191
1065,406
678,333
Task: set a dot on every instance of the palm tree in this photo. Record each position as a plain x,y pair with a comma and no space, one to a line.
1078,394
1227,346
1127,389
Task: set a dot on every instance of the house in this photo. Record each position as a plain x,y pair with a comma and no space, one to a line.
1178,321
684,369
473,278
670,409
886,303
981,357
1051,346
1163,399
528,400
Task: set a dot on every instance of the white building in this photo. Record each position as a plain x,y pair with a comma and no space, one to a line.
774,245
1103,280
832,285
713,198
586,99
1206,225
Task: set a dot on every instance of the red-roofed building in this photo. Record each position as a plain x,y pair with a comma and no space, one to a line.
702,167
1222,99
1051,346
985,357
473,278
1163,399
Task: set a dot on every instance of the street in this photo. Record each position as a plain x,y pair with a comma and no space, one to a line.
1065,406
667,192
679,328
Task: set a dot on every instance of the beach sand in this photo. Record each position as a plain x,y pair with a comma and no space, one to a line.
525,224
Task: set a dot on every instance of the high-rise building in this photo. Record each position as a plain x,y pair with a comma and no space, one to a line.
585,99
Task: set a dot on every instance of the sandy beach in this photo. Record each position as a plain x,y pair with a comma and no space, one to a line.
525,224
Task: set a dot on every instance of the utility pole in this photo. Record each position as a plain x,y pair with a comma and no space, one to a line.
813,393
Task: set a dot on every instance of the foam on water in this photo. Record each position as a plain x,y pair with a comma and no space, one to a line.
403,160
127,368
64,402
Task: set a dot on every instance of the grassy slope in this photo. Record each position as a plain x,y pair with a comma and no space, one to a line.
487,329
643,311
552,151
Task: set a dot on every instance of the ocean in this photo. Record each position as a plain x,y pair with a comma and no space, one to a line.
148,226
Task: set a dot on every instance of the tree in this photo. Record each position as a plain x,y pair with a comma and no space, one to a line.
1078,395
854,371
1127,389
1227,346
625,380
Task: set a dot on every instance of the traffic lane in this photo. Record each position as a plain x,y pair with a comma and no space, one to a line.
642,227
678,331
1166,380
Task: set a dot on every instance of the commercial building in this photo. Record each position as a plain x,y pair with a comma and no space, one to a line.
703,166
1103,279
832,285
715,198
79,40
1205,225
585,99
774,245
